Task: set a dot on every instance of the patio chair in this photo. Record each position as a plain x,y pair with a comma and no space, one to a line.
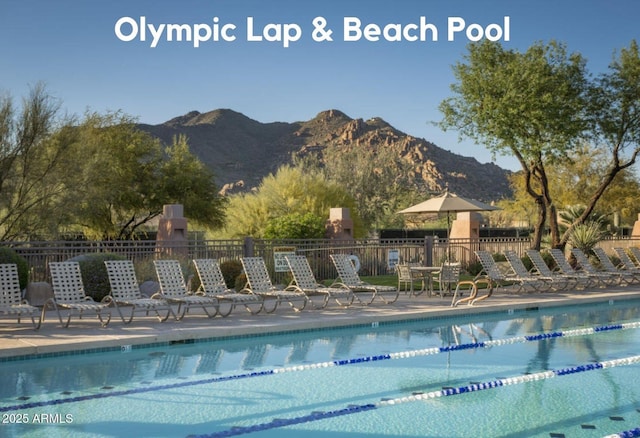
491,272
11,302
125,292
174,290
559,281
626,261
305,282
348,277
518,268
212,284
606,278
259,283
408,278
69,294
625,276
448,278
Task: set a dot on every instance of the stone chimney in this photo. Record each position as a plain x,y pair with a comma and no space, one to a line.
172,231
340,224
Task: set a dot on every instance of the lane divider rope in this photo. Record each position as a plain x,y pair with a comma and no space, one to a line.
631,433
342,362
475,387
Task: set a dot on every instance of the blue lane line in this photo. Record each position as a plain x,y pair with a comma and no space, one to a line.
281,422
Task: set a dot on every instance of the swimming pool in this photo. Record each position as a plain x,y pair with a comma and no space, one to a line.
537,373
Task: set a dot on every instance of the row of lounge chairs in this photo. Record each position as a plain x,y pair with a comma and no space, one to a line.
564,276
175,300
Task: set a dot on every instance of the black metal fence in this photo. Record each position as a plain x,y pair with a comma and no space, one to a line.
375,256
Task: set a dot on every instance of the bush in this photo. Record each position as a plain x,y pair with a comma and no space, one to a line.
474,268
8,255
231,269
240,282
94,273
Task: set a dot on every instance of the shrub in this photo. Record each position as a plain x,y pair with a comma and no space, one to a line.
231,269
8,255
295,226
240,282
474,268
94,273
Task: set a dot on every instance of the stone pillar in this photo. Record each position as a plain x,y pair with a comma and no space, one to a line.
340,224
466,226
172,232
636,228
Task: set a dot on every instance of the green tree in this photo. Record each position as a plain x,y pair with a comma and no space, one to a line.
614,111
34,140
290,190
530,105
380,181
187,180
124,177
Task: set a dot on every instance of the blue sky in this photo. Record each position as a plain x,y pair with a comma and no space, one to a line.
72,46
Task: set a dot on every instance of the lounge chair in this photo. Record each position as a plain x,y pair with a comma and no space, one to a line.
519,269
606,278
565,267
625,276
305,282
174,290
348,278
11,302
69,294
125,292
212,284
491,272
635,251
559,281
259,283
626,260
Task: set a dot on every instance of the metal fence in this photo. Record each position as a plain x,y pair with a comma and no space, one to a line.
376,256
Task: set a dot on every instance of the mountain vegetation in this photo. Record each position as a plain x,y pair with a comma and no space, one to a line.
242,151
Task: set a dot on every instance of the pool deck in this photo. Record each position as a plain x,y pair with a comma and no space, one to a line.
22,341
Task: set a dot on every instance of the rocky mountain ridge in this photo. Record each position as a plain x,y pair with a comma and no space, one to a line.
241,151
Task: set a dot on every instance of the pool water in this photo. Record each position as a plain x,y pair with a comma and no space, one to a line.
348,382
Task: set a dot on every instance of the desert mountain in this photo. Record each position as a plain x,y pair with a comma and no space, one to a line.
241,151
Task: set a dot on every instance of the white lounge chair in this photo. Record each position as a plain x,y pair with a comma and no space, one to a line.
11,302
635,251
212,284
565,267
625,259
305,282
69,294
606,278
624,276
259,283
518,268
174,290
348,278
491,272
559,281
125,292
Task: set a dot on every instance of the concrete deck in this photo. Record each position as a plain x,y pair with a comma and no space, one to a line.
21,340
